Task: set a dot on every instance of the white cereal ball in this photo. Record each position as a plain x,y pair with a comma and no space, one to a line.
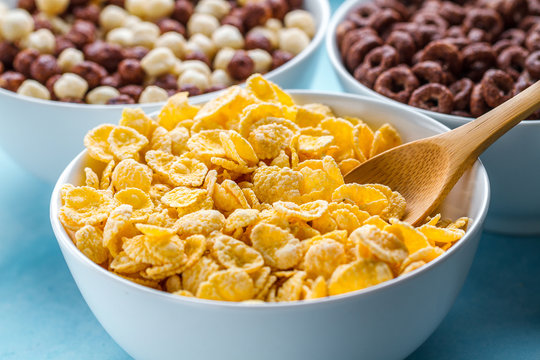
150,9
293,40
16,25
177,67
203,24
262,60
194,65
70,86
228,36
202,43
223,58
158,61
52,7
302,20
269,34
59,25
42,40
112,17
68,58
194,77
152,94
145,34
216,8
34,89
273,24
173,41
220,78
131,21
120,36
101,95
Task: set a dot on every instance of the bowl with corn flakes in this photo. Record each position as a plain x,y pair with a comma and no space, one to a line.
395,66
65,70
229,223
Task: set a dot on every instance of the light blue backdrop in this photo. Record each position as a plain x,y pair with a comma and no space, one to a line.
43,316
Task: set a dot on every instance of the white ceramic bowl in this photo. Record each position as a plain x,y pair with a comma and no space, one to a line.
512,162
387,321
43,136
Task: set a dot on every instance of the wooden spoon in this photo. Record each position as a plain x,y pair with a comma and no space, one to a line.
424,171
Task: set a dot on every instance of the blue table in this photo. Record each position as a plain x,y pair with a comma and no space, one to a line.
43,315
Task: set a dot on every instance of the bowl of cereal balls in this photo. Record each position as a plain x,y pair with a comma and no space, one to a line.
452,61
230,224
66,66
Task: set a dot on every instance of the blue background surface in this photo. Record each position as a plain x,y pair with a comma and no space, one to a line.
43,315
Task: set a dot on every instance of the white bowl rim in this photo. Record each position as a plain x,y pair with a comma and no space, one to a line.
324,8
64,240
338,66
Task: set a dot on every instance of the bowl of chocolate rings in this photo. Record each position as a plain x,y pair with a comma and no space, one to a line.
235,228
453,61
67,66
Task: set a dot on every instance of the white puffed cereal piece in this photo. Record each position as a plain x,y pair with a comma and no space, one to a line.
269,34
228,36
68,58
220,78
223,58
202,43
195,65
262,60
174,41
150,9
152,94
302,20
52,7
203,24
42,40
59,25
16,24
194,77
293,40
177,67
273,24
145,34
158,61
112,17
70,86
216,8
131,21
101,95
120,36
34,89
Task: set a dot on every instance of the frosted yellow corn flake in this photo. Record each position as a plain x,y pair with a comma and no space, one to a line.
244,199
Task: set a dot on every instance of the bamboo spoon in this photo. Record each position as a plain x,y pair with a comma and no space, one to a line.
424,171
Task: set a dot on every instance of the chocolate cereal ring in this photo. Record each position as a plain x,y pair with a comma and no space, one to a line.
383,20
342,29
513,11
362,14
433,97
429,72
462,90
376,61
501,45
431,19
528,22
397,83
445,53
452,13
353,36
523,82
516,36
532,42
403,42
477,59
360,48
532,64
394,5
497,87
512,60
478,106
485,19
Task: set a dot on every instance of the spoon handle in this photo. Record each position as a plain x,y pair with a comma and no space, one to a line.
470,140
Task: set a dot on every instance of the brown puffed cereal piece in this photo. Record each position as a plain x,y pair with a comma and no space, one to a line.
131,71
167,25
91,72
41,22
191,89
106,55
89,13
280,57
133,91
256,40
8,51
44,67
137,52
183,9
279,8
121,99
28,5
11,80
241,65
198,55
82,32
62,43
433,97
50,85
24,60
114,80
167,82
255,14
